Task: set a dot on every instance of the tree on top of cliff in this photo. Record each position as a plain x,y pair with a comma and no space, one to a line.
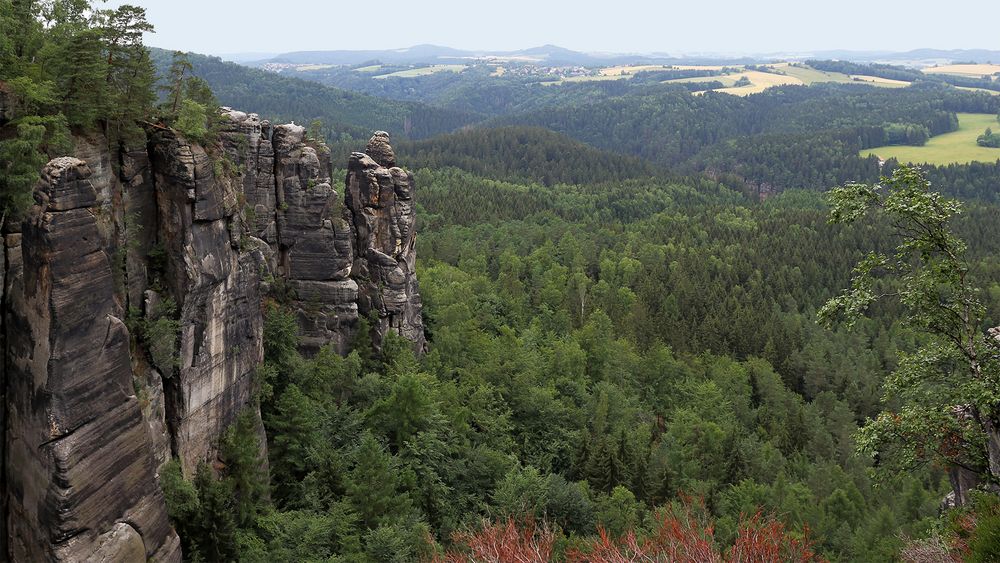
67,66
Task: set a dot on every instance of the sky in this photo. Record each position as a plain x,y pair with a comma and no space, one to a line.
622,26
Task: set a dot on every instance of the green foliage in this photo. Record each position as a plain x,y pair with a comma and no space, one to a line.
984,540
955,369
159,331
67,65
989,139
214,536
375,484
192,120
597,350
20,164
285,98
180,495
240,450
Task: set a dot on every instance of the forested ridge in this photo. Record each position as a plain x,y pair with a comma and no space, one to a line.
345,113
787,137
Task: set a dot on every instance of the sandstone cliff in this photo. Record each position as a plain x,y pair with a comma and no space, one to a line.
380,199
80,476
132,315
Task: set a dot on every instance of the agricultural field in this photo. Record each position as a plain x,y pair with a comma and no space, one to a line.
879,81
423,71
617,71
971,89
785,73
957,147
972,70
809,75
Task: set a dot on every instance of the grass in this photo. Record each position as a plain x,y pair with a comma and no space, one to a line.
423,71
370,68
958,147
759,81
304,68
809,75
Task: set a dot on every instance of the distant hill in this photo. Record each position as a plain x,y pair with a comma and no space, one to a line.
523,154
280,97
550,55
553,55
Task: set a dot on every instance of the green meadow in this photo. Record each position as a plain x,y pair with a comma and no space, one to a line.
955,147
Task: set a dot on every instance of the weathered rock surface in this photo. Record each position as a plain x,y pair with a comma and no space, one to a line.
212,273
380,200
77,463
380,150
247,143
314,241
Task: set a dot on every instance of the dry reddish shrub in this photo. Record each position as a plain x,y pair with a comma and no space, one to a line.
683,534
931,550
764,539
505,542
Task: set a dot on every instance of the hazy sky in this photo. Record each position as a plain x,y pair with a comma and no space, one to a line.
688,26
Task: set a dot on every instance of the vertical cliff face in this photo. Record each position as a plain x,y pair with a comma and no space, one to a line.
80,477
380,199
211,271
132,315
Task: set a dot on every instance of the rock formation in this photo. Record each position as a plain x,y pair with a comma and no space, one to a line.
132,315
314,241
380,199
211,272
80,477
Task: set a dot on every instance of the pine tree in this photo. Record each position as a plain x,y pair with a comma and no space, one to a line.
216,533
374,485
241,452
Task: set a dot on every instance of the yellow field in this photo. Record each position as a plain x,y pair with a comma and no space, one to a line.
423,71
759,81
791,74
964,70
372,68
630,69
701,67
879,81
809,75
956,147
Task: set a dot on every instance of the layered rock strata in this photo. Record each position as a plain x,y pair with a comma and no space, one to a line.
80,477
314,241
211,271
